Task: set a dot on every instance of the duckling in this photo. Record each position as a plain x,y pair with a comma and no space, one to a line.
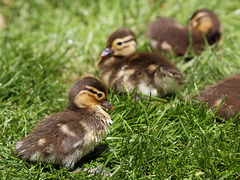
150,73
167,35
229,89
64,138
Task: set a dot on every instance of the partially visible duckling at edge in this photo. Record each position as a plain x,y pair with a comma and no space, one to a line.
214,95
167,35
149,72
71,134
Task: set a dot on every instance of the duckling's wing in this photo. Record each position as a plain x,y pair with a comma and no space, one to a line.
52,139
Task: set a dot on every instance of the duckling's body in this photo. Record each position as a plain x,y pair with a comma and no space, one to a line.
150,73
71,134
228,88
167,35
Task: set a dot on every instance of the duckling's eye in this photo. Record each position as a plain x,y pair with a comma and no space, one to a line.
119,43
99,95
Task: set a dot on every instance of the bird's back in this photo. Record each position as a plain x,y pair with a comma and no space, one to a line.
64,137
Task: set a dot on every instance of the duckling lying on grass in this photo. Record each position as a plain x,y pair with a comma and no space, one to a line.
224,95
150,73
167,35
71,134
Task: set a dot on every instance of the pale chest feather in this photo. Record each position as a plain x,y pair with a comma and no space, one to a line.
92,137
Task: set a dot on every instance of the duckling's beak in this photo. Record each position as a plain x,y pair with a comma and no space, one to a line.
107,105
104,53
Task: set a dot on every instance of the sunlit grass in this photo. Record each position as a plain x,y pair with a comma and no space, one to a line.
48,45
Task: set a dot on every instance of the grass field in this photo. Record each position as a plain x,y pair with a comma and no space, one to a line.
49,44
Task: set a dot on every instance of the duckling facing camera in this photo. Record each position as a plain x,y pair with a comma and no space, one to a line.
64,138
167,35
149,73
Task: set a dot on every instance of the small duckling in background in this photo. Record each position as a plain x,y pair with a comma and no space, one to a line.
71,134
150,73
214,95
167,35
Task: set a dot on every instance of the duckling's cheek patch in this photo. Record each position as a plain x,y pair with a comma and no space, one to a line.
205,25
126,50
128,46
83,99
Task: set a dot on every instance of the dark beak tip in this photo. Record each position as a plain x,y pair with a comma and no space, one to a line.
107,105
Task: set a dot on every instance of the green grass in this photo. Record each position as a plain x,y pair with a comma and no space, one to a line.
48,45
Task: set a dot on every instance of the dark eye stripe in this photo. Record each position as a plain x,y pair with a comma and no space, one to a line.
94,92
120,48
128,40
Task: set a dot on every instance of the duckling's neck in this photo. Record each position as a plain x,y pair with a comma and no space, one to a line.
99,110
109,61
95,109
101,116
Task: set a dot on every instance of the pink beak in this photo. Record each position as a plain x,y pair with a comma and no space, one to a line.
107,105
105,52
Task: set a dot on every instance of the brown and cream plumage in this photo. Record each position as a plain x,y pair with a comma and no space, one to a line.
229,89
148,72
64,138
167,35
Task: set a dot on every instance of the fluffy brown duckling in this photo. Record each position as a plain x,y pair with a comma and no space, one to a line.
64,138
167,35
214,95
148,72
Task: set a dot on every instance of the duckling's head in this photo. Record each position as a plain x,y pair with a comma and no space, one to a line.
122,42
207,22
87,93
